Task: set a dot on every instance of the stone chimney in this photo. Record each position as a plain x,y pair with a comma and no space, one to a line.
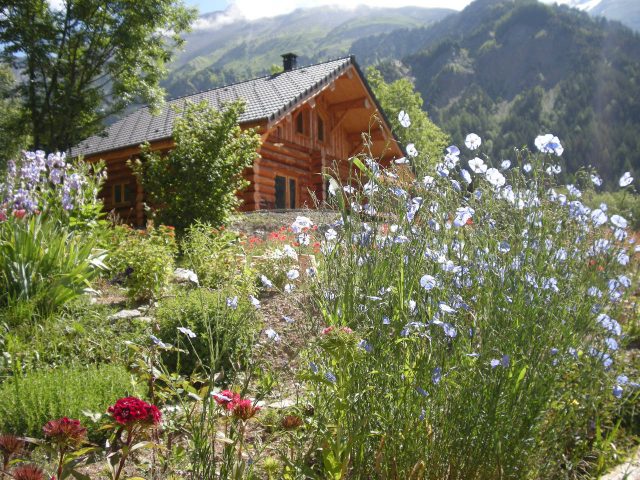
289,61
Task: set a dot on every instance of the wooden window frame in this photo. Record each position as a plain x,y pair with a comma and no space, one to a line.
321,121
123,202
305,115
287,192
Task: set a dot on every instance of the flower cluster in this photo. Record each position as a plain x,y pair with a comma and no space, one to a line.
134,411
240,408
28,472
64,431
482,277
38,181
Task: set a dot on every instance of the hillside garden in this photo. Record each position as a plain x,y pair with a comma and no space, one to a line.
479,322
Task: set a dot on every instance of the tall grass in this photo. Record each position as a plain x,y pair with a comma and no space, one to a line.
479,349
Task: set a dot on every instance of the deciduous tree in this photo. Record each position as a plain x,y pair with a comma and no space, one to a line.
88,59
13,131
400,95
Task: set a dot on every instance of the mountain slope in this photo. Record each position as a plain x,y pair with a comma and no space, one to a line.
225,50
529,68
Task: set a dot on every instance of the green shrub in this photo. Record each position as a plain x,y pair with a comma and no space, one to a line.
199,178
217,257
142,260
44,262
28,401
224,335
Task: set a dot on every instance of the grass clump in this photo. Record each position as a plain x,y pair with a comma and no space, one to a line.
223,329
29,400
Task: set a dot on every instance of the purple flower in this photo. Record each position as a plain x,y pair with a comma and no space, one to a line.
436,376
617,391
421,391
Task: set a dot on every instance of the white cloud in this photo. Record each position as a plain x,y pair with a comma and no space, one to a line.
230,15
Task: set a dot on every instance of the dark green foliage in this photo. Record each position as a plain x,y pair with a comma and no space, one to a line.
87,60
28,401
13,131
224,335
198,179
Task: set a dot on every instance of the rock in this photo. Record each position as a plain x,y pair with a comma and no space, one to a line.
629,470
182,275
285,403
125,315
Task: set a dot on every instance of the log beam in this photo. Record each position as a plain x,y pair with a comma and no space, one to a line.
357,103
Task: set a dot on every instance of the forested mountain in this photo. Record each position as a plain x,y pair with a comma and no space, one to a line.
223,49
505,69
528,68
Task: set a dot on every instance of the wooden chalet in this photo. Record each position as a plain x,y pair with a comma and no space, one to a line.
308,118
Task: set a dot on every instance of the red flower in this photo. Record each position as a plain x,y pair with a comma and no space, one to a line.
245,409
343,329
10,446
19,213
132,410
226,398
3,216
64,431
28,472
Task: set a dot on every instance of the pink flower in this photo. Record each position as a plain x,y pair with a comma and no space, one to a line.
226,398
245,409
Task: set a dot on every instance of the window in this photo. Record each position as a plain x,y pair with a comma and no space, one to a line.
285,192
320,129
300,123
292,193
121,194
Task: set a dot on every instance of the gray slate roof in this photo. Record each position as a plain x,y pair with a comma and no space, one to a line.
266,99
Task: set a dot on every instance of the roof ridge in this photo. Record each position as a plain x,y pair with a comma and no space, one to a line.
227,85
